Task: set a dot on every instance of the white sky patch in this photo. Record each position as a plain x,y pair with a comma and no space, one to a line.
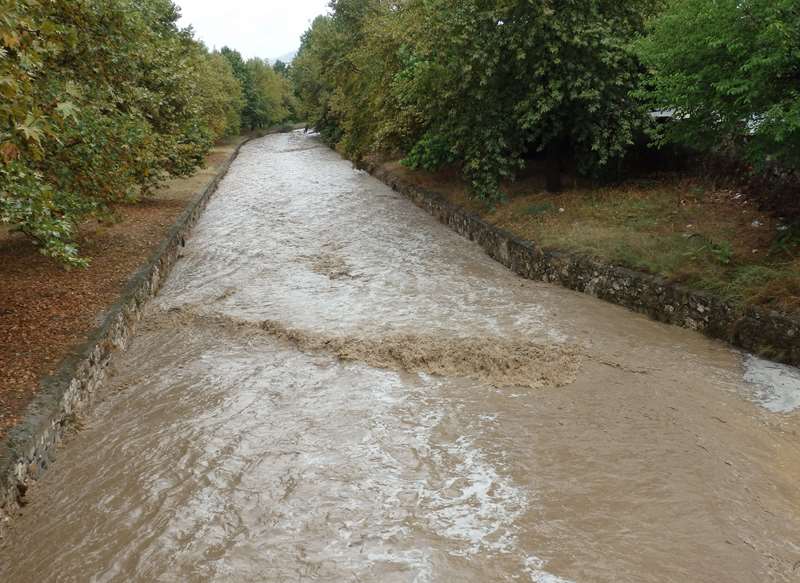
268,29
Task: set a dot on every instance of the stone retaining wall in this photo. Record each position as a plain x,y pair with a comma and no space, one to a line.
764,332
29,447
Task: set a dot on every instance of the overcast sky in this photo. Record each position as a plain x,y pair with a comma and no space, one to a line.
256,28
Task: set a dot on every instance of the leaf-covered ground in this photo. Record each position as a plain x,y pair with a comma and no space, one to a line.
45,310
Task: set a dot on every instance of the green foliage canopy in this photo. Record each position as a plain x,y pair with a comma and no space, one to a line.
479,82
268,96
100,102
345,75
313,81
498,79
731,71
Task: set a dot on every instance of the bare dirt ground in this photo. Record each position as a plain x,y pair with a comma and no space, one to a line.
45,309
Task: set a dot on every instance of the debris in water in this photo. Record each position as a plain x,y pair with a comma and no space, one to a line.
493,360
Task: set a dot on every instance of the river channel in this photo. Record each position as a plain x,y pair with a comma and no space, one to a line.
332,386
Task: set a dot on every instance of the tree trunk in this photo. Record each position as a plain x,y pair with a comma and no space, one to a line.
553,154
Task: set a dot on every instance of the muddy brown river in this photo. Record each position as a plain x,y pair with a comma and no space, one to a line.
334,387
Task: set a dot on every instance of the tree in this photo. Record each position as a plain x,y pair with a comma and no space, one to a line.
244,75
311,80
268,106
267,95
498,79
478,82
101,102
222,101
733,79
344,75
281,68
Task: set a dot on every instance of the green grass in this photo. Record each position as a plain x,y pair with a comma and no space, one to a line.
540,208
685,233
680,228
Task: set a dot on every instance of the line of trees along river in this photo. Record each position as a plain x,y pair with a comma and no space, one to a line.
489,83
103,100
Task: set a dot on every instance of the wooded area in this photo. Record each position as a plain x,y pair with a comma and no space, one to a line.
104,100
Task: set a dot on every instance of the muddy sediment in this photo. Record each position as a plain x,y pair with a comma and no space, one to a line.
492,360
330,266
332,386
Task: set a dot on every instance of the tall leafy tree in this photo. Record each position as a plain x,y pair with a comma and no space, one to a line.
479,82
269,103
311,77
499,78
245,77
102,100
730,70
281,68
344,75
222,99
267,95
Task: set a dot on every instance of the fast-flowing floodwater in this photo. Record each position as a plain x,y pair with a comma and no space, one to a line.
334,387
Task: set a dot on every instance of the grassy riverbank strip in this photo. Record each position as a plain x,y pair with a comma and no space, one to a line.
676,249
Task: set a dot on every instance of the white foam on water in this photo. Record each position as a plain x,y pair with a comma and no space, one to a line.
472,503
776,386
534,566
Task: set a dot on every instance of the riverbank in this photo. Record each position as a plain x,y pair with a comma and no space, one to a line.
46,310
61,327
676,249
681,228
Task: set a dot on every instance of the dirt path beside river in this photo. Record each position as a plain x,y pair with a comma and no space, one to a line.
334,387
46,310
